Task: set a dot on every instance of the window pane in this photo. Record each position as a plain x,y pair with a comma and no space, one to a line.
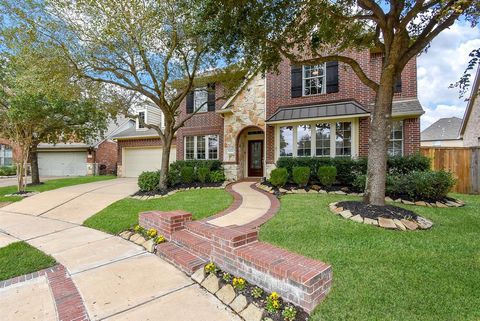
200,100
190,147
395,146
343,139
141,118
313,79
304,140
212,147
200,147
323,139
286,141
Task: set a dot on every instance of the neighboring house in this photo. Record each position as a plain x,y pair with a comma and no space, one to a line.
319,111
139,148
445,132
9,154
470,129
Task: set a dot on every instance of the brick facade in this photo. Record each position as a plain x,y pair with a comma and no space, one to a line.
106,154
16,149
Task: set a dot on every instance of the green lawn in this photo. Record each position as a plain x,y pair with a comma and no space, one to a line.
387,275
123,214
49,185
20,258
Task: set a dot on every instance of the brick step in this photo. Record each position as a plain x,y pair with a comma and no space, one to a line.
180,257
201,228
193,242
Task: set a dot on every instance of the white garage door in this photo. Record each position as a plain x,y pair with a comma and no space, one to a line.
138,160
62,163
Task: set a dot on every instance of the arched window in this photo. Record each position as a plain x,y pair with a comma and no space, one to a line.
6,155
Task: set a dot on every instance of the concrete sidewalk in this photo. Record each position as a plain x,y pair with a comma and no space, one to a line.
116,279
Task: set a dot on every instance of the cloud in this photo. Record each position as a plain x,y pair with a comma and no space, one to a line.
441,65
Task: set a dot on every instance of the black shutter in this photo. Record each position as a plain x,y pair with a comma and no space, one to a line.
398,85
211,97
332,77
190,102
296,81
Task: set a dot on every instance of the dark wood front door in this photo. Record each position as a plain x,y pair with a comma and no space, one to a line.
255,158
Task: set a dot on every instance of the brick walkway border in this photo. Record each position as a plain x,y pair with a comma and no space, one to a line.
68,302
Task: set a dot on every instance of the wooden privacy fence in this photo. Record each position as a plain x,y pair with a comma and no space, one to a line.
463,162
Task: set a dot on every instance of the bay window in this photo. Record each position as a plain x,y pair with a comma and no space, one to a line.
6,155
201,147
318,139
395,146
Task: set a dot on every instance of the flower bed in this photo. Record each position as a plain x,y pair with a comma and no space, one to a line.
388,217
145,195
141,236
249,301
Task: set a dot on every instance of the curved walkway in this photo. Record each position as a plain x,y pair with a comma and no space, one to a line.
251,207
116,279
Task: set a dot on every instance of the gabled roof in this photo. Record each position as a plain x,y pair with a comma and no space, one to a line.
442,129
133,132
473,96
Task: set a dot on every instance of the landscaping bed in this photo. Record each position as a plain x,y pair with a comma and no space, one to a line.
380,275
177,188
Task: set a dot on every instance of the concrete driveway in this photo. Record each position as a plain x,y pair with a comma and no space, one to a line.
12,181
117,280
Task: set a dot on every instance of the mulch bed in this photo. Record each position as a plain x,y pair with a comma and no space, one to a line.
374,212
177,187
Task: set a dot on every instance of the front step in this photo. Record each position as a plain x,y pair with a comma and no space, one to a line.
193,242
201,228
180,257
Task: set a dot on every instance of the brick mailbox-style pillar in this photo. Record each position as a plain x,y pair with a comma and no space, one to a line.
166,223
300,280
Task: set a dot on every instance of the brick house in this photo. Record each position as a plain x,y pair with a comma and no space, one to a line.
470,128
319,111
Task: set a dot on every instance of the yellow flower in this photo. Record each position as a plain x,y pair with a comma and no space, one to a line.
160,239
274,296
276,304
152,232
137,228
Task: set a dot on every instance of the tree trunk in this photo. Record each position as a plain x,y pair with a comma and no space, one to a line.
167,144
380,128
34,166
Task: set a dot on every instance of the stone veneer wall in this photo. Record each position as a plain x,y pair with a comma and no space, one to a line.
247,111
472,130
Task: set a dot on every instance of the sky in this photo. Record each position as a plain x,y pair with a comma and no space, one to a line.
443,64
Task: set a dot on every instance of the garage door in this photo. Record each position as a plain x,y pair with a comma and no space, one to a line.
62,163
138,160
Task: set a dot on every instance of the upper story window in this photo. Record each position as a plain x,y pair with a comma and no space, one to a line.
6,155
200,100
142,119
395,146
314,79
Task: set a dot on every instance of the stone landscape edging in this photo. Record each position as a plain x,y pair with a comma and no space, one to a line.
386,223
68,302
282,191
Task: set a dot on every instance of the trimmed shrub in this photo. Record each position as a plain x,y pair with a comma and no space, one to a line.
425,185
408,164
301,175
188,174
279,177
213,165
173,177
217,176
202,174
327,175
148,181
8,170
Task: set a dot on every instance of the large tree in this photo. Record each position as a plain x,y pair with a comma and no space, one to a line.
155,49
42,101
316,31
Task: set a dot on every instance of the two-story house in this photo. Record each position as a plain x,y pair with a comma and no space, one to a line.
320,111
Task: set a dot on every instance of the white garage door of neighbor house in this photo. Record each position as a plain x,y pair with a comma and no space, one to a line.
138,160
62,163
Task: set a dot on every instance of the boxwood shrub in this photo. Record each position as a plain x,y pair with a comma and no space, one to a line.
148,181
301,175
327,175
213,171
202,174
348,169
188,174
8,170
279,177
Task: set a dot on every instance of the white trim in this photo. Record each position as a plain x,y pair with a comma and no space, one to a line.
207,156
200,111
137,122
324,80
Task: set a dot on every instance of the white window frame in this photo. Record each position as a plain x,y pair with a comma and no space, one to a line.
397,140
204,108
207,151
324,80
138,120
3,149
332,122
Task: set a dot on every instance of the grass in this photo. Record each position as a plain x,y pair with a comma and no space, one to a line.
124,214
387,275
50,185
21,258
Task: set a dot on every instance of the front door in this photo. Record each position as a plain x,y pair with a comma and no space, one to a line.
255,158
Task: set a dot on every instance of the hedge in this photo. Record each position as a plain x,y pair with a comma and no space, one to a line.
149,181
203,170
348,169
8,170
